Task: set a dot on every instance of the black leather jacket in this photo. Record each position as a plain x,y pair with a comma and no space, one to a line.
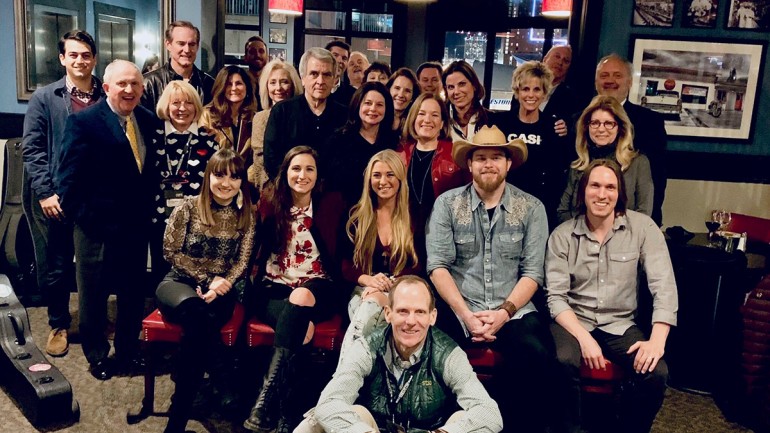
156,81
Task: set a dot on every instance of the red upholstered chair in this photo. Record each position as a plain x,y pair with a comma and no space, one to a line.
484,361
327,337
601,381
156,330
757,229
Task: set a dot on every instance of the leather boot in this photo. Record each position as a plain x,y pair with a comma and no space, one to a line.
290,413
261,419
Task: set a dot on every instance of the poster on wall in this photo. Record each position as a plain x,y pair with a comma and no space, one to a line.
701,13
653,13
749,15
703,89
277,54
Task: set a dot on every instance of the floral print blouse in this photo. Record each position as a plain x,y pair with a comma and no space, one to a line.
301,261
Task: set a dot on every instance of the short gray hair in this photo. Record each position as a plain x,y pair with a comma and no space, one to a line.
319,54
110,69
616,57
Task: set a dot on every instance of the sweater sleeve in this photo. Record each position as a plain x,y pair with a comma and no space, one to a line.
173,241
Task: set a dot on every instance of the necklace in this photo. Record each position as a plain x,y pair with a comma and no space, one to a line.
415,154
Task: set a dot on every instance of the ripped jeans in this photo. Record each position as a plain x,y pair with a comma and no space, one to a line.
365,315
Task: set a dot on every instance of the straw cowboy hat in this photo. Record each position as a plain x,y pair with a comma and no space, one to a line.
490,137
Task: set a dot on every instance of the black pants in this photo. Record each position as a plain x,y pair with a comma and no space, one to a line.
108,263
290,321
523,385
54,251
158,264
641,398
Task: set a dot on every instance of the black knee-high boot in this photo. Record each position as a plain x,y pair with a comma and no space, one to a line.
262,417
190,365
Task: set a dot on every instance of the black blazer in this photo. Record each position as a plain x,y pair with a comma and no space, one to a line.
101,187
651,139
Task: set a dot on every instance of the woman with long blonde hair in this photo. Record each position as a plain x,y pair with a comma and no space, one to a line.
380,244
604,131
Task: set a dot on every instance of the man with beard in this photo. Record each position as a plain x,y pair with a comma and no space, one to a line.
486,245
255,57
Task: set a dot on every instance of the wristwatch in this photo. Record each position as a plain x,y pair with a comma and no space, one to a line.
509,308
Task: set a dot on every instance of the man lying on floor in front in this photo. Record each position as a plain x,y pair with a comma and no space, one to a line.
405,377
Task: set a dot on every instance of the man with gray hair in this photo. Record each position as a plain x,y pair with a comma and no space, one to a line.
106,191
307,119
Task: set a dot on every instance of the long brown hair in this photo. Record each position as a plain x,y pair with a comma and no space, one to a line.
225,161
220,108
363,219
281,199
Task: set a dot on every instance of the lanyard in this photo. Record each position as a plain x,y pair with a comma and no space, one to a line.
185,156
402,386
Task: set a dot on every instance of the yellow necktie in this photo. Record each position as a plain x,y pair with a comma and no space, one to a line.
131,134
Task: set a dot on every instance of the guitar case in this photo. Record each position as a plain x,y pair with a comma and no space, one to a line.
39,389
17,255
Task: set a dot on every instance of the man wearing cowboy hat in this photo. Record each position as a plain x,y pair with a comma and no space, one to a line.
486,246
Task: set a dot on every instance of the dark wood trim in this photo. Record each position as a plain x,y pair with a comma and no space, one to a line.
718,167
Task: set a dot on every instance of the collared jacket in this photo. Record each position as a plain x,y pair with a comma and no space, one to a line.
44,125
156,81
444,172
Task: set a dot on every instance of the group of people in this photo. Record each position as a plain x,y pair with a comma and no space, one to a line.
298,192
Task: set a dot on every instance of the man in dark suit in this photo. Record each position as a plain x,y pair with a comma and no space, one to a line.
613,78
106,192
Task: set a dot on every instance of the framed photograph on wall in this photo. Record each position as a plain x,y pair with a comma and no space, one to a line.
749,15
278,36
703,89
278,18
700,14
277,54
653,13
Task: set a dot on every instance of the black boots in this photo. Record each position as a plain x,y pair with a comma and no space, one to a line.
262,416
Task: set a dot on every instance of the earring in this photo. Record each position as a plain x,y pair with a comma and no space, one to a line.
239,199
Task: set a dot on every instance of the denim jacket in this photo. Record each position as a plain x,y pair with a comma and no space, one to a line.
487,258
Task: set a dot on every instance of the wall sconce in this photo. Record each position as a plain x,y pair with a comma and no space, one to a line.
287,7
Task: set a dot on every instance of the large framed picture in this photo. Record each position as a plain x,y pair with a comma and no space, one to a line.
704,89
653,13
749,14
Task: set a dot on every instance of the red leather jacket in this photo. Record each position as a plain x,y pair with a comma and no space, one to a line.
444,172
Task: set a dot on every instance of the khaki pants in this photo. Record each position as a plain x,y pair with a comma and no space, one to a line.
310,425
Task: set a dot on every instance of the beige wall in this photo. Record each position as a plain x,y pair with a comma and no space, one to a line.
689,202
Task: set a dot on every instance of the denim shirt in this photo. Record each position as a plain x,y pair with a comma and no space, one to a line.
486,258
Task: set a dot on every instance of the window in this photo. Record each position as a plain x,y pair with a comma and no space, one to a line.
528,35
241,22
370,32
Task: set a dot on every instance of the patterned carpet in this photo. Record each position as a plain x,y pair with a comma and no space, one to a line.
104,404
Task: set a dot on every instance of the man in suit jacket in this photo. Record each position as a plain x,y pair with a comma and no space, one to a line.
613,78
106,192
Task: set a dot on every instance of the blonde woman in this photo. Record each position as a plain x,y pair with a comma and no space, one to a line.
604,131
379,245
279,81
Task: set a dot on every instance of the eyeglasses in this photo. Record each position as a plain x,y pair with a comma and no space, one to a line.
608,124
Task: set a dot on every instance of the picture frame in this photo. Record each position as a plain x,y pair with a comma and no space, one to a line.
704,89
700,14
276,18
749,15
278,36
277,54
653,13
